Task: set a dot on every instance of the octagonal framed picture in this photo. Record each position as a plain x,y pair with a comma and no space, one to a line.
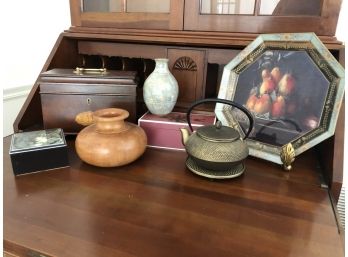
294,88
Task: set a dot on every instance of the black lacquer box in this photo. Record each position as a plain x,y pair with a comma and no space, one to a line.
38,150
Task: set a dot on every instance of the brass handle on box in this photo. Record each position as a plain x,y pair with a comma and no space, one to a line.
89,70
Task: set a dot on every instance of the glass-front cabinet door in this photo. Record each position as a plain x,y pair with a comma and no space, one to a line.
262,16
137,14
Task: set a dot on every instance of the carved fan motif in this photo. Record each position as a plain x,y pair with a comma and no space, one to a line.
185,63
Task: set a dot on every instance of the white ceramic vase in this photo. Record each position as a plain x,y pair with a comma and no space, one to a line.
160,89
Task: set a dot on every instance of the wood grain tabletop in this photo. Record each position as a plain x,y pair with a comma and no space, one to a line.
156,207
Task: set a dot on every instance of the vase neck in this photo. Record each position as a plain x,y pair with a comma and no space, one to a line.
161,65
110,120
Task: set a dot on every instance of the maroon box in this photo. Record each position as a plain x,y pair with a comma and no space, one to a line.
164,131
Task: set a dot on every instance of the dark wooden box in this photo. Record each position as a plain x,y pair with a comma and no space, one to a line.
65,93
38,150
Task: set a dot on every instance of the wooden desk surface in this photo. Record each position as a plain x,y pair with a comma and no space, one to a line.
156,207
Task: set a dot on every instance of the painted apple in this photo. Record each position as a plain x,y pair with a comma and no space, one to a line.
276,74
251,102
267,86
265,74
278,107
286,85
263,104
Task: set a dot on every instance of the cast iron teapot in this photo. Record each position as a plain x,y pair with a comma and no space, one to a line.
216,151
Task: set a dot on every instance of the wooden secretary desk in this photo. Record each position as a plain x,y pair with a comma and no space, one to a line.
128,35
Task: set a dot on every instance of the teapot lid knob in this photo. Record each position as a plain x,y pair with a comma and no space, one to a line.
218,133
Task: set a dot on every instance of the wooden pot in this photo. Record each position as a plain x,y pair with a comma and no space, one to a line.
109,141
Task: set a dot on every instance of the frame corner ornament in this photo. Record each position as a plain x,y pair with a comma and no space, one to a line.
287,155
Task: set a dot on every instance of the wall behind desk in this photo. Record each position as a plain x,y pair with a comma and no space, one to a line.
29,30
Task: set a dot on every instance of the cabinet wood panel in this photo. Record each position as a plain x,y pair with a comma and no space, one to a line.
221,56
122,49
144,20
325,24
188,66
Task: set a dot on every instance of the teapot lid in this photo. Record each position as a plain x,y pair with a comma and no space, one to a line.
218,133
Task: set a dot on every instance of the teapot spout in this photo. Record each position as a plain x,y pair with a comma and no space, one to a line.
185,134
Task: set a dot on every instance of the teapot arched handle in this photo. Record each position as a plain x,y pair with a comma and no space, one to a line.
223,101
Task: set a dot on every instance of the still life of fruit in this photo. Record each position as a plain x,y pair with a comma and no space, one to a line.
286,92
273,98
